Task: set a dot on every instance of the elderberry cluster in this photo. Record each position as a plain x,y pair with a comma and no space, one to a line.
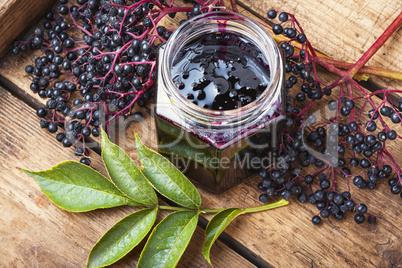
325,145
99,60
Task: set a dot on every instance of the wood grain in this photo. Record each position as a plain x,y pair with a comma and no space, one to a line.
288,233
16,16
344,30
36,233
284,237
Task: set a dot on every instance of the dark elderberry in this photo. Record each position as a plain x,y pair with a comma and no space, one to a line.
302,198
308,179
391,135
392,182
354,162
319,195
364,163
311,199
382,136
373,115
334,209
358,180
386,111
349,104
370,140
353,126
271,191
286,194
271,14
371,126
330,196
359,218
60,137
324,184
338,199
321,205
79,151
359,137
361,209
85,161
277,29
52,127
283,17
350,204
301,38
95,132
263,198
339,216
396,189
41,112
346,194
324,213
316,220
66,142
300,97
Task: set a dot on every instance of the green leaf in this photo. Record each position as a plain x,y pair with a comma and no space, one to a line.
125,174
168,240
216,226
122,238
76,187
166,178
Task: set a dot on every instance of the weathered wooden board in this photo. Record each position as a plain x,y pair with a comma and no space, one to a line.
36,233
344,30
17,16
284,237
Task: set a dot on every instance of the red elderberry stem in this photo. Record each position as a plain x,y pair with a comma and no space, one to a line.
234,6
364,70
376,46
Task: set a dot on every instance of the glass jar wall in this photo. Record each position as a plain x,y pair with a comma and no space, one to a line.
219,99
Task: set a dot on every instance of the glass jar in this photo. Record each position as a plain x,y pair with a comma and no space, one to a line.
218,149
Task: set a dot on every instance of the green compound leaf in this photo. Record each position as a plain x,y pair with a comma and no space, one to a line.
126,175
168,240
76,187
166,178
122,238
216,226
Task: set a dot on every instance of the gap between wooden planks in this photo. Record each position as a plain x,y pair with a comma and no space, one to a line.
16,16
285,237
35,232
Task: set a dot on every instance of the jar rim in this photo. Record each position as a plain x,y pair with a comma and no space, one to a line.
215,119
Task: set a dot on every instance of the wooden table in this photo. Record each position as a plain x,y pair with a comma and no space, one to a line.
36,233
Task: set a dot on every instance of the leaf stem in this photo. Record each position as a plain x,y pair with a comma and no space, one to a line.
206,210
277,204
175,208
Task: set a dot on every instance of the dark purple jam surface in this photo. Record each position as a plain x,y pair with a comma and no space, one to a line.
220,71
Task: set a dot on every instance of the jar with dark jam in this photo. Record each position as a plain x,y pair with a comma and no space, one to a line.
220,99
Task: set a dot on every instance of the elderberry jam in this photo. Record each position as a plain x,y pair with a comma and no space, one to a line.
220,100
220,71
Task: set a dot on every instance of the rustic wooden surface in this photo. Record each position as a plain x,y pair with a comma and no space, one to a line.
36,233
281,238
344,30
16,16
